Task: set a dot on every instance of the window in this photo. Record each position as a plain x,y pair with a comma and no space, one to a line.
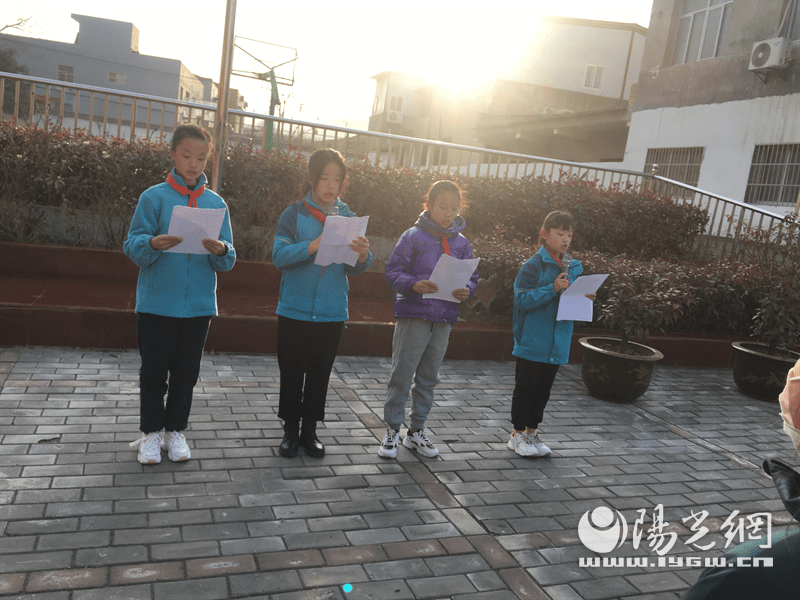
396,103
678,164
116,77
702,27
594,77
66,73
794,27
774,175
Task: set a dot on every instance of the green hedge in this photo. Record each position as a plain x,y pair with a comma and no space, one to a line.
77,173
645,242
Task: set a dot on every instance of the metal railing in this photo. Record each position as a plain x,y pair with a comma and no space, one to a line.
106,112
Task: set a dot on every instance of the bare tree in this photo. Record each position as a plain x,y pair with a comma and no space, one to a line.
19,25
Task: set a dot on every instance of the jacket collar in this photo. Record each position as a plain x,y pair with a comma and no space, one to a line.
200,180
424,222
546,255
337,203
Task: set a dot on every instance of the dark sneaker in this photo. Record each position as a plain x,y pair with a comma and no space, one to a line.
419,441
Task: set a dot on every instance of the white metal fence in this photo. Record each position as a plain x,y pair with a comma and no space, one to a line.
106,112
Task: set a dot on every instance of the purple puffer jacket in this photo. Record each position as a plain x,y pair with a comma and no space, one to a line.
416,254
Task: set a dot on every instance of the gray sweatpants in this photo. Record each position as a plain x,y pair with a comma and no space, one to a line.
418,348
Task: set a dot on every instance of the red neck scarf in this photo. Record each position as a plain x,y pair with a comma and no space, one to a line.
184,191
319,216
553,256
315,212
445,245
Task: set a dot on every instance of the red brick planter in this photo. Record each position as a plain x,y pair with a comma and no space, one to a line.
63,296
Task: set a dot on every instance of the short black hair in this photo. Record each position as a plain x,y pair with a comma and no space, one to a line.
558,220
440,187
190,131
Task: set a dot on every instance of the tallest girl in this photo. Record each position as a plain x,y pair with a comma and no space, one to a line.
312,305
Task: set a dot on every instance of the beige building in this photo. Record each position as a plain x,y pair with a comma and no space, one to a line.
567,97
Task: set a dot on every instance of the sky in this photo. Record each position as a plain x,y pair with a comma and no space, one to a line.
340,44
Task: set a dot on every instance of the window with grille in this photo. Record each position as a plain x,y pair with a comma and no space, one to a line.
774,175
678,164
594,77
396,103
116,77
66,73
703,25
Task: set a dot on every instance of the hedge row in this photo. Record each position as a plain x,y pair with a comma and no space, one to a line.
644,242
77,173
755,291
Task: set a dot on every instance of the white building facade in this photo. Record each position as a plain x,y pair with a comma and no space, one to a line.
717,105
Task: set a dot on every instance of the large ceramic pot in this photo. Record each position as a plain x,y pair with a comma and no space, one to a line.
758,374
611,375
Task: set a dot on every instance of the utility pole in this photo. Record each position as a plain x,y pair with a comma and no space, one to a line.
224,94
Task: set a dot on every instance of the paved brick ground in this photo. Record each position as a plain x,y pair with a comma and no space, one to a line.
80,519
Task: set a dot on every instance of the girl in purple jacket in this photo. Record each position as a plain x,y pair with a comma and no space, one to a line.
423,324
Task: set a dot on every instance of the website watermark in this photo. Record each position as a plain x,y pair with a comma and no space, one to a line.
604,530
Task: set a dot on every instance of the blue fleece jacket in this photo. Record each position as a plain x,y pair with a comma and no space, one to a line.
310,292
173,284
538,337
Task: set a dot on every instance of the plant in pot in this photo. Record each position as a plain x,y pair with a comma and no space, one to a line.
772,255
636,299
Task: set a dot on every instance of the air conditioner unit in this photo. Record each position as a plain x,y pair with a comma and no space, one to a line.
770,54
395,117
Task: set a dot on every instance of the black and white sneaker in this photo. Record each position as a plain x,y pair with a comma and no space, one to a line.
419,441
389,444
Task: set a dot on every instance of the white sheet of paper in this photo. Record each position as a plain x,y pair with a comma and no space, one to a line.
338,234
451,274
573,305
194,225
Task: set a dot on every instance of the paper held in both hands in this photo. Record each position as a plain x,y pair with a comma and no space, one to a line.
338,234
573,305
451,274
194,225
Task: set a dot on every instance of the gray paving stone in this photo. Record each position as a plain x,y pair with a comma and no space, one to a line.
111,556
375,536
42,526
185,550
258,584
398,569
452,565
38,561
229,498
441,587
251,546
202,589
128,592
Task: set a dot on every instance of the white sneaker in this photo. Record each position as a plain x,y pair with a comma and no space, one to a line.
149,448
389,444
535,441
419,441
178,449
520,444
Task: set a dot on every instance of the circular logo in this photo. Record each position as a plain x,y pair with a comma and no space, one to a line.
600,530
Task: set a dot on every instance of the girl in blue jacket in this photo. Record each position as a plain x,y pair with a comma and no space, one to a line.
423,326
175,296
541,343
312,302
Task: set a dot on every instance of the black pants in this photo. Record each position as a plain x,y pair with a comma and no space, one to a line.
306,352
171,350
532,384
